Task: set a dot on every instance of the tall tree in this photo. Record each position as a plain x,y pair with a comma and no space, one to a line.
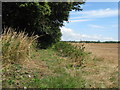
42,18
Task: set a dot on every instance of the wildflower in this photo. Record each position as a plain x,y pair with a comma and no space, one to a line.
29,76
25,87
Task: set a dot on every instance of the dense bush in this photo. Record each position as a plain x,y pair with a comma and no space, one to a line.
76,54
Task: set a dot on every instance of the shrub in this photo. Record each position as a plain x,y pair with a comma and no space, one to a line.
77,54
15,47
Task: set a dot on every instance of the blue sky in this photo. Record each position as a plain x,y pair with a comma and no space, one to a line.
97,21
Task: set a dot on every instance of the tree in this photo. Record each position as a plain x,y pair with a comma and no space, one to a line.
42,18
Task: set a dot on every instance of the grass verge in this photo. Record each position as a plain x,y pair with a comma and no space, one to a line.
62,66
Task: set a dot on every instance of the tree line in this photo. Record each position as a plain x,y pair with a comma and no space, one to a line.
38,18
93,41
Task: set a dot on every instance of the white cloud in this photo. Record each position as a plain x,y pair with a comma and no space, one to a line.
101,13
102,0
79,20
96,26
69,35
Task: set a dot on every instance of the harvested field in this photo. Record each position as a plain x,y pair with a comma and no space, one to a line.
102,70
107,51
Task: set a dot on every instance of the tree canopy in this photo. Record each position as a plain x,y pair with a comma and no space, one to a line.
41,18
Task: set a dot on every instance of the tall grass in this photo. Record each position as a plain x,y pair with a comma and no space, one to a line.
15,47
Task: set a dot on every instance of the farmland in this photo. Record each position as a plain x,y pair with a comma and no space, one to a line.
36,53
108,51
102,70
88,65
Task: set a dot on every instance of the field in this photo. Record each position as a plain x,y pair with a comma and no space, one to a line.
105,66
38,50
107,51
48,68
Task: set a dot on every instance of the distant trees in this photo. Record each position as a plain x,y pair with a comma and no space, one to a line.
42,18
93,41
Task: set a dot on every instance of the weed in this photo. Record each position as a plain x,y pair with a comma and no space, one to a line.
62,81
75,53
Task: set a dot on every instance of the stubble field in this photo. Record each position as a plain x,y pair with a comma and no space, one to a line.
107,51
102,70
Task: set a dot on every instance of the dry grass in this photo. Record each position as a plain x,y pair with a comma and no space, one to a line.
15,47
102,70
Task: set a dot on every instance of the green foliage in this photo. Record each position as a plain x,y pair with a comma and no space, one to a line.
16,76
77,54
42,18
53,75
60,77
62,81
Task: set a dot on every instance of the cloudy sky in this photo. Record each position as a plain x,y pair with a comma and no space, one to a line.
97,21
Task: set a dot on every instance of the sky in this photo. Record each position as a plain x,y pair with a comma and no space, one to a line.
97,21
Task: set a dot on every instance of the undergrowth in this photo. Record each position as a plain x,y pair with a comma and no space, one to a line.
62,77
62,81
15,47
76,54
